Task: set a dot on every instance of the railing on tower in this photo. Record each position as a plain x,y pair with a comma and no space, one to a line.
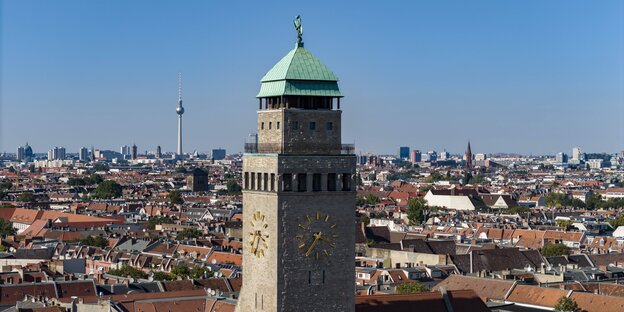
255,148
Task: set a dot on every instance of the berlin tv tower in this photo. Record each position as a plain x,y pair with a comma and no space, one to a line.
180,111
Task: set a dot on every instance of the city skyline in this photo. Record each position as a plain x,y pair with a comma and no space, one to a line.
443,76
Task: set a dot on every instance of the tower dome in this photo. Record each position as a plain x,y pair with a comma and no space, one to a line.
299,73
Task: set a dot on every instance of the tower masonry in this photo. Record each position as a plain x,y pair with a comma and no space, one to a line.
298,193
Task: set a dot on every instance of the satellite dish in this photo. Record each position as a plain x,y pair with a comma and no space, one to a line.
214,261
213,293
209,290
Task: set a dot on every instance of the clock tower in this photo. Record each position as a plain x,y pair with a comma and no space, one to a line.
298,193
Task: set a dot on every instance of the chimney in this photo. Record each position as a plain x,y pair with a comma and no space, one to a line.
74,305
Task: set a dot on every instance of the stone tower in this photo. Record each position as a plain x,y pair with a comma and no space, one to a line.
298,194
468,157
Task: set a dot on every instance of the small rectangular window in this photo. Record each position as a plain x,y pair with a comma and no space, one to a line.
295,125
302,182
331,182
262,126
312,125
316,182
346,182
323,276
278,125
270,125
246,180
330,126
272,182
253,180
287,182
265,185
309,277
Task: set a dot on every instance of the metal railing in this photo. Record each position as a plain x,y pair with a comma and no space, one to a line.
301,148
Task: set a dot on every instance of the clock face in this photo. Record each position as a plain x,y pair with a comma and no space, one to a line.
258,239
317,235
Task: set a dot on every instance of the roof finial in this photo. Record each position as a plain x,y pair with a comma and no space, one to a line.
299,29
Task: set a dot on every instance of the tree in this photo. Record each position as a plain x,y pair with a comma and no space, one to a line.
108,189
556,199
371,199
416,209
567,304
518,210
233,188
182,270
95,241
153,221
6,228
101,167
593,201
617,222
360,201
365,219
566,224
411,288
94,179
6,185
176,198
26,197
163,276
553,250
126,270
76,182
189,233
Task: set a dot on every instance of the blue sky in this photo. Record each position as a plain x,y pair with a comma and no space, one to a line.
510,76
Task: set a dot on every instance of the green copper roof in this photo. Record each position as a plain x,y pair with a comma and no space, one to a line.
299,73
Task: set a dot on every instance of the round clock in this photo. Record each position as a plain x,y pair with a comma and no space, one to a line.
257,236
316,236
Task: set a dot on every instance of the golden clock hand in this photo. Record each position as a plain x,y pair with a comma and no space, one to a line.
254,249
316,239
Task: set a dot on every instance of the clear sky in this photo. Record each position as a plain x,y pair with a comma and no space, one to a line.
510,76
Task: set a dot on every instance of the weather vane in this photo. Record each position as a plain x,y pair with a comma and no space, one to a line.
299,29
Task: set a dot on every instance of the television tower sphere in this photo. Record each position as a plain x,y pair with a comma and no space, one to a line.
180,110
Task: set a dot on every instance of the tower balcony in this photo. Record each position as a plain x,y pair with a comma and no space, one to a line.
314,148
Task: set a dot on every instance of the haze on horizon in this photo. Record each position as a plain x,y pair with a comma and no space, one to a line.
520,77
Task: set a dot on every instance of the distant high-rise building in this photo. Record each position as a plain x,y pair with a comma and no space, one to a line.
480,157
218,154
179,111
404,152
444,155
134,152
577,153
92,154
596,163
561,158
125,150
20,153
432,155
84,154
57,153
468,157
24,152
415,156
158,152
